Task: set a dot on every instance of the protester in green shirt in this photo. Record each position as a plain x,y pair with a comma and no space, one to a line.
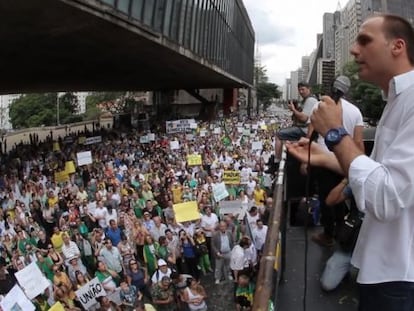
45,265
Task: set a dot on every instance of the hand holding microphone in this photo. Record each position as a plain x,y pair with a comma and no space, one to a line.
328,115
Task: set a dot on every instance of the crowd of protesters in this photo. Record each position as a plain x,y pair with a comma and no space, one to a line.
114,218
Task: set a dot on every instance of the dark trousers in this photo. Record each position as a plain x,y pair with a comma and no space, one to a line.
390,296
326,181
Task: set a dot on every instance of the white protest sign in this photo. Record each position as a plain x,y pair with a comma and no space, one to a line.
255,126
244,176
144,139
236,207
257,145
17,300
32,280
246,132
217,130
189,136
193,125
240,129
151,136
220,191
203,133
179,126
89,292
84,158
174,145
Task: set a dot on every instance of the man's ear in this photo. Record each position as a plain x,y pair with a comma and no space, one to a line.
399,46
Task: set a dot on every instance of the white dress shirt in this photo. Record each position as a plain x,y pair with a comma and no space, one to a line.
383,189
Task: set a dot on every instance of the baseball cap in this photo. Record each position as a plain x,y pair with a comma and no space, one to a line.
161,262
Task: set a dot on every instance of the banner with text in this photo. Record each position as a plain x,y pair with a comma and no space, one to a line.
92,140
194,159
89,292
179,126
231,177
220,191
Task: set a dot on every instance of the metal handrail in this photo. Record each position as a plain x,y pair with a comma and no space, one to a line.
266,285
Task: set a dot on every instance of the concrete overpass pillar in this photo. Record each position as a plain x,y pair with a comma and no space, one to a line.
229,101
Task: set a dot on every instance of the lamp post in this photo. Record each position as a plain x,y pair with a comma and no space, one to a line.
3,133
58,95
57,110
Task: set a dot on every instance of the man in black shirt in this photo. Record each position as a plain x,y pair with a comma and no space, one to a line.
43,242
7,281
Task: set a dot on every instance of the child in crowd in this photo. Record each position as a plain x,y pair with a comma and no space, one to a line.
244,293
129,295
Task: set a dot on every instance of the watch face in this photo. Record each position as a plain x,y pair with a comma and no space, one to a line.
332,135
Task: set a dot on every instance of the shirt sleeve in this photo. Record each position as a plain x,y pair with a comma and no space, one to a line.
374,188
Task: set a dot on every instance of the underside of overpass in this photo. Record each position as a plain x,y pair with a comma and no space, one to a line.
56,45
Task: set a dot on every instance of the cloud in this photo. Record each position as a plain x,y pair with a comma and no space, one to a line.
286,31
267,30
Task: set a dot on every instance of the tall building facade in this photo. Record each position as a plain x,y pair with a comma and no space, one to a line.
305,67
294,80
404,8
346,32
326,74
5,102
328,36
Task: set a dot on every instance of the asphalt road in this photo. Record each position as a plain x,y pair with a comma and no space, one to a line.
220,297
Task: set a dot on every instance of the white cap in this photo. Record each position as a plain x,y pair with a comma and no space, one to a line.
161,262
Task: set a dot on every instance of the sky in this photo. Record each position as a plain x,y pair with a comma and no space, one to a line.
285,31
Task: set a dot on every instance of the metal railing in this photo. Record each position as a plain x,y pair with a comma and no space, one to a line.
271,262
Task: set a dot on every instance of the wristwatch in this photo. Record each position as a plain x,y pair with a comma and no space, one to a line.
334,136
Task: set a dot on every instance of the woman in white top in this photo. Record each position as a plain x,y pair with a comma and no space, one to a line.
195,295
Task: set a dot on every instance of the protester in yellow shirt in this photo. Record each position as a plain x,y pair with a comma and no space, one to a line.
57,239
52,199
177,192
259,196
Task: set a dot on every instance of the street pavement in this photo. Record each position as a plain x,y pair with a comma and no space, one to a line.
220,297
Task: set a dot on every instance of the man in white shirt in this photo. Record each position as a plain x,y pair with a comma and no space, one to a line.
300,116
158,229
239,262
162,271
209,223
259,235
100,214
111,256
69,249
381,184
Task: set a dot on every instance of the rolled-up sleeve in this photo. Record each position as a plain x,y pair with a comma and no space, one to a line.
374,189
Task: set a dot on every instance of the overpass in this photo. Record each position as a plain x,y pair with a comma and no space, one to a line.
74,45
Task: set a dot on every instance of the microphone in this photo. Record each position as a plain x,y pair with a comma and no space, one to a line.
340,87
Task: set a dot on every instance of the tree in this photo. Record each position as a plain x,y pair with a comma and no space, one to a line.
365,95
33,110
92,110
69,102
265,90
260,74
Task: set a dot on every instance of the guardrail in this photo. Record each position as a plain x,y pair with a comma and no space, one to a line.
271,262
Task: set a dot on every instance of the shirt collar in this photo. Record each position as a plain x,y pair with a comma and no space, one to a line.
400,83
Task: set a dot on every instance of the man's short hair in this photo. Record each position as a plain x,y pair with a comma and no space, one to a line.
303,84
